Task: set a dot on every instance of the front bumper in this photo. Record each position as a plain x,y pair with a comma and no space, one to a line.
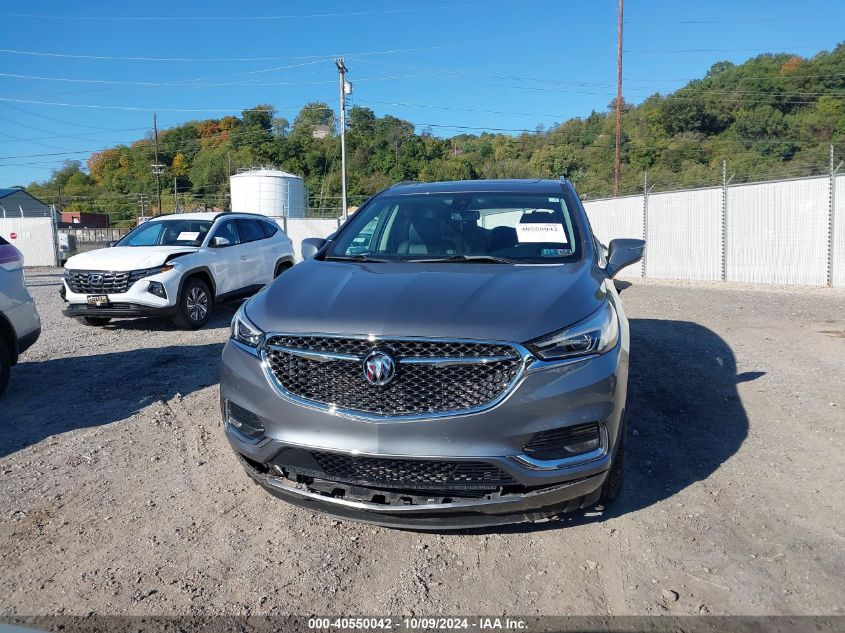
115,310
26,325
458,514
566,394
136,301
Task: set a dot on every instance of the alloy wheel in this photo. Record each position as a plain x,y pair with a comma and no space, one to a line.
197,304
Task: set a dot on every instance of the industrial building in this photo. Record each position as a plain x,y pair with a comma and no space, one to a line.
83,220
15,202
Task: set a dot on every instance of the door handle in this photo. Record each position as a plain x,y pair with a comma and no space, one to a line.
244,258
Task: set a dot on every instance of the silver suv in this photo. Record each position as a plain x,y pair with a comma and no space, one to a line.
455,355
20,325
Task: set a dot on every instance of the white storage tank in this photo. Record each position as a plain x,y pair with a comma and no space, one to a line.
270,192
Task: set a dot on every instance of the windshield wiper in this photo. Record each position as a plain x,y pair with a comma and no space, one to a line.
355,258
483,259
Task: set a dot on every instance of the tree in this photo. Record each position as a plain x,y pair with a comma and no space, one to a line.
773,114
261,116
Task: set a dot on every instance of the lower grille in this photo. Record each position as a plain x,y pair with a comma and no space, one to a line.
411,474
329,371
88,310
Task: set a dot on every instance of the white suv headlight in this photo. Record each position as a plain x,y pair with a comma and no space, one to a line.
596,334
245,331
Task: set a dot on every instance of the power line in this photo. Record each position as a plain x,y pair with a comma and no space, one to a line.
12,51
138,109
317,58
49,118
719,50
790,18
207,18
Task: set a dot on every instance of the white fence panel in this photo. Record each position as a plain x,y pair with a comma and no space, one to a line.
839,234
618,217
685,235
777,232
34,237
300,228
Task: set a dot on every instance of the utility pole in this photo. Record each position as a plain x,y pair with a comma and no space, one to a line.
175,198
157,168
344,86
617,161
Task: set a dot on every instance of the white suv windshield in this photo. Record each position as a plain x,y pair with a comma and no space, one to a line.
434,227
167,233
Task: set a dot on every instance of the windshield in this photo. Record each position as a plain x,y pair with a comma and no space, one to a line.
167,233
495,227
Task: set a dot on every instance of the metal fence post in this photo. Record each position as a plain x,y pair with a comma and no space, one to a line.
724,220
645,221
831,226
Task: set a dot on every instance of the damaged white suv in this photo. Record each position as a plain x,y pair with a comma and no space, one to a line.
178,265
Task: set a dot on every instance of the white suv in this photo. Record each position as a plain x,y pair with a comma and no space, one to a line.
178,265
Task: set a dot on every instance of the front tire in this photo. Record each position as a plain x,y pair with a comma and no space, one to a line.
5,366
95,321
193,309
612,487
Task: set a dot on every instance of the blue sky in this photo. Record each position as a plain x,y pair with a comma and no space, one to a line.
472,64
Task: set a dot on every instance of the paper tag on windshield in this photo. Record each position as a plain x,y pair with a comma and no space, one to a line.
541,232
187,236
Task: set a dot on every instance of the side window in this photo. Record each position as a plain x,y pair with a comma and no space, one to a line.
270,229
229,231
250,230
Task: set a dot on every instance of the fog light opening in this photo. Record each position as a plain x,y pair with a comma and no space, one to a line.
570,441
157,288
244,421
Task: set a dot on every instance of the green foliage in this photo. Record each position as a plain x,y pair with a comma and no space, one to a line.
773,115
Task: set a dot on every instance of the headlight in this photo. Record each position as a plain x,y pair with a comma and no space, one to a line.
596,334
243,330
135,275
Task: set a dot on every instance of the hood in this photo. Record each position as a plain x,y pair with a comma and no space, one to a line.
462,300
120,258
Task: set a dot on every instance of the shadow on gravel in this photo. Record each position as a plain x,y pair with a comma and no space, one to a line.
55,396
685,418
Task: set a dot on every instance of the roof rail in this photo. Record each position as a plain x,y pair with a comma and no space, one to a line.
404,182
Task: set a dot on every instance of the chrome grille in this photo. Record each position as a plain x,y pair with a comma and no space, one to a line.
102,281
432,377
411,473
97,282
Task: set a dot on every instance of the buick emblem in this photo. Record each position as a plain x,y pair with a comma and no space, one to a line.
95,279
379,368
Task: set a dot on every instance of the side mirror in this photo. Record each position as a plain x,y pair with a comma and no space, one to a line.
622,253
111,243
311,246
218,242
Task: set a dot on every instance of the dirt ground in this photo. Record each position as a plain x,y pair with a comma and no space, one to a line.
120,495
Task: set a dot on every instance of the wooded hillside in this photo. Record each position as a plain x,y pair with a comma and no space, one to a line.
774,115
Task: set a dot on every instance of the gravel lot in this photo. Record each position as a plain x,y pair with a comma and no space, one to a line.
119,494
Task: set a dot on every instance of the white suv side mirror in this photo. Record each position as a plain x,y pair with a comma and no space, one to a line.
218,242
